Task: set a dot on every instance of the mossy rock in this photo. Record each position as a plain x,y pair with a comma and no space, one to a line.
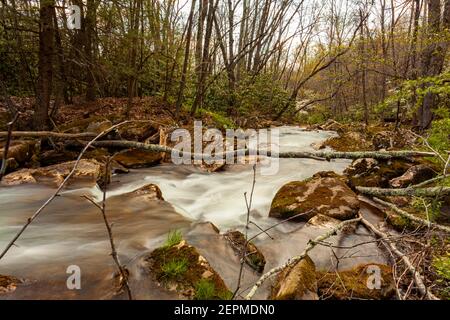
297,282
377,176
254,258
357,283
325,193
195,274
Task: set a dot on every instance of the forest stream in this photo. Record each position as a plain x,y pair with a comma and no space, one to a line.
71,231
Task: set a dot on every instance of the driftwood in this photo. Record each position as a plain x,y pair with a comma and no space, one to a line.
311,244
410,191
411,217
416,275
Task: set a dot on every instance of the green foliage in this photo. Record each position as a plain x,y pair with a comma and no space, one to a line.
205,290
439,137
174,268
412,92
173,238
220,120
253,94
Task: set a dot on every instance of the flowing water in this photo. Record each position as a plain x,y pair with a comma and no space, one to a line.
70,231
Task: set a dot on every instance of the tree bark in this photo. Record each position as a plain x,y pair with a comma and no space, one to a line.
45,77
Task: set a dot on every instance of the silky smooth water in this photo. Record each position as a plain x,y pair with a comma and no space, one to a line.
70,231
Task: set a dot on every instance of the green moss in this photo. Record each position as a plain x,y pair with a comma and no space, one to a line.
441,265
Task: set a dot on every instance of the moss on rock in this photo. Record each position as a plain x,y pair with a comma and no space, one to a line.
325,193
297,282
182,269
357,283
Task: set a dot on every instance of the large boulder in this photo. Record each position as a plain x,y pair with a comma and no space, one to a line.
138,158
368,281
297,282
254,257
178,267
87,173
413,175
325,193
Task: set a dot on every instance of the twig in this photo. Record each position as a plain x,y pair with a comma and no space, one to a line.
114,255
244,250
416,275
311,244
7,144
410,216
61,186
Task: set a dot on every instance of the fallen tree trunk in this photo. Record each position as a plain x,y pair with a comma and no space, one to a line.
48,134
416,275
411,217
410,191
311,244
321,155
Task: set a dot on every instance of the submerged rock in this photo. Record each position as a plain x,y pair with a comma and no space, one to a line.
87,173
138,158
368,281
180,268
414,175
8,284
325,193
254,258
297,282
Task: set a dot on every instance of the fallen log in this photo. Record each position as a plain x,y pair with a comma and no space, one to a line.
410,216
410,191
311,244
416,275
318,155
48,134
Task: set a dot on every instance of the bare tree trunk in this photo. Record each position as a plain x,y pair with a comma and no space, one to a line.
186,59
45,78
